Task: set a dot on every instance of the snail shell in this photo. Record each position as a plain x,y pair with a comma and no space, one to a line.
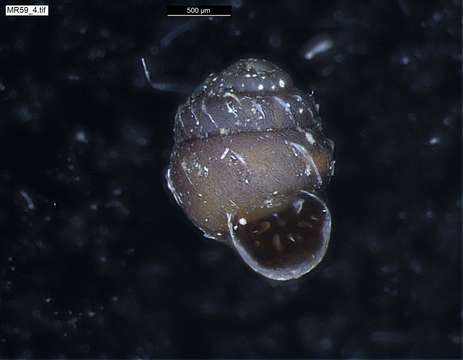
248,166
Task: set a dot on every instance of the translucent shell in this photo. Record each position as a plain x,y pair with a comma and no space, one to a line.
249,164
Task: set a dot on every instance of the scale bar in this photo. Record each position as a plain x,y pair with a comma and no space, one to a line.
198,10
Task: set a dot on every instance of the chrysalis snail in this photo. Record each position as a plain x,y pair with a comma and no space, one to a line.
249,165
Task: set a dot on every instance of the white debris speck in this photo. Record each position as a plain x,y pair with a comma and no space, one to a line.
318,48
204,110
285,105
281,82
308,160
239,157
243,221
231,109
30,204
268,203
260,87
224,153
186,170
309,138
233,96
298,204
259,109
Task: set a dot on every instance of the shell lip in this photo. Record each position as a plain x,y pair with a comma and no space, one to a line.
287,272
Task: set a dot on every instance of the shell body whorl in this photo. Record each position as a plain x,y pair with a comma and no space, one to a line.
248,146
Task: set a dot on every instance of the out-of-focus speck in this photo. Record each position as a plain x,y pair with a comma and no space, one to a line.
415,266
405,60
436,17
236,4
317,46
27,198
236,32
411,117
389,337
2,86
136,135
81,136
104,33
130,251
339,58
391,291
388,269
72,77
403,215
455,338
6,286
447,121
429,214
70,163
374,245
234,29
73,322
91,313
153,50
117,191
24,113
404,7
19,45
119,205
434,140
177,30
115,299
47,300
96,54
275,40
94,206
327,70
326,343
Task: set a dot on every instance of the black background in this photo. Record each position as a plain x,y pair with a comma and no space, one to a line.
103,263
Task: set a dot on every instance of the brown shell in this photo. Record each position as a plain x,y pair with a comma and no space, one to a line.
246,144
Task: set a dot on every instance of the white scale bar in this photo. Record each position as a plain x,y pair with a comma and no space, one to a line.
199,15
